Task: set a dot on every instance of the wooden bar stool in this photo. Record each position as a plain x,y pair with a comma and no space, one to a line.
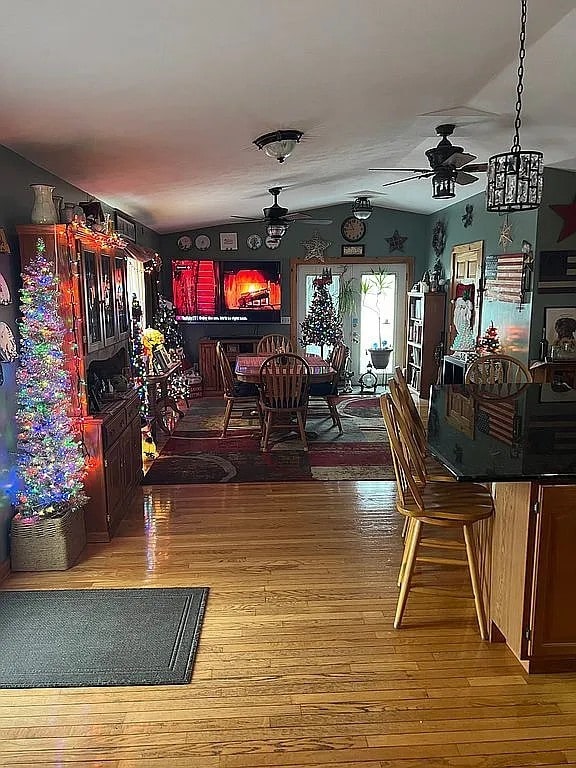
444,505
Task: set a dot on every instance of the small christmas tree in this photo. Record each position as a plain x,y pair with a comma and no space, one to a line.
50,463
489,344
165,321
138,358
321,325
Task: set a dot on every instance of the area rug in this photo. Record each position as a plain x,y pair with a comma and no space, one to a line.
99,637
196,452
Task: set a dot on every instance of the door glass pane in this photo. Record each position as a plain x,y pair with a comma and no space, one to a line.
333,290
377,315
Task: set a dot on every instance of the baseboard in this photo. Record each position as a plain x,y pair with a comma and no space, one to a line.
4,569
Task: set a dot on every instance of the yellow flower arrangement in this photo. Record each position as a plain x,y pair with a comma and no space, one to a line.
151,338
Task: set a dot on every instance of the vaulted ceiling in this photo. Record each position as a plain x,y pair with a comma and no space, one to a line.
153,106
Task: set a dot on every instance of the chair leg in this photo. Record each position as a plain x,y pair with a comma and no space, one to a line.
227,416
267,425
302,428
409,530
474,577
334,413
409,571
405,526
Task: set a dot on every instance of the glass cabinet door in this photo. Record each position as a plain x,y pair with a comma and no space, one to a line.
92,301
120,296
107,299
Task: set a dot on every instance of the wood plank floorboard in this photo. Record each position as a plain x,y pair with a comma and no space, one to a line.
298,662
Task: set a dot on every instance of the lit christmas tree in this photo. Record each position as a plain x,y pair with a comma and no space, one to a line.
50,462
138,358
489,344
321,325
165,322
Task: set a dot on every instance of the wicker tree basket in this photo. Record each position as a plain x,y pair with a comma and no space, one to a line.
47,544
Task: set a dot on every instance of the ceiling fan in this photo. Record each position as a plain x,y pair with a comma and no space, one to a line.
278,218
449,165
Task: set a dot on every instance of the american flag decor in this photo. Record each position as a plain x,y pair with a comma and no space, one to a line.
557,271
503,277
497,418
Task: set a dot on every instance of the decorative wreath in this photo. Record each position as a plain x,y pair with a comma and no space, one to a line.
439,237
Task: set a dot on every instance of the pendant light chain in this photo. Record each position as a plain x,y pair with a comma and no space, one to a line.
520,87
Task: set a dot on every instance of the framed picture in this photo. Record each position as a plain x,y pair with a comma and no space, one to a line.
4,246
560,324
353,250
92,301
124,226
228,241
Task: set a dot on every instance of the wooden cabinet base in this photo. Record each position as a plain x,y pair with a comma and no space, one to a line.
530,567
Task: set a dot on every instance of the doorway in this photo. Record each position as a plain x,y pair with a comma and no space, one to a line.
375,312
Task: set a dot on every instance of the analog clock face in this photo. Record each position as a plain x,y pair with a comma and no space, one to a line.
272,242
353,229
202,242
184,243
253,242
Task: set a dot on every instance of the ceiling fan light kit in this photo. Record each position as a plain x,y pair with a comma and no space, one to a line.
279,144
444,184
276,229
515,178
362,208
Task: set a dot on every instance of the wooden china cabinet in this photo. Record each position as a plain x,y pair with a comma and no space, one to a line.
93,297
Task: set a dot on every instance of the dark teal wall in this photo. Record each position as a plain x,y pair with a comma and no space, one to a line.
513,323
16,200
379,226
559,188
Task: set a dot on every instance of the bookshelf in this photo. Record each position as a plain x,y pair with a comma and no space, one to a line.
426,312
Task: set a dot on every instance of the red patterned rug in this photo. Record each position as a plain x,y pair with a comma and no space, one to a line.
195,453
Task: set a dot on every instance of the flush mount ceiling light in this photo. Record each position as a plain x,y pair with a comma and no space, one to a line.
362,208
278,144
515,177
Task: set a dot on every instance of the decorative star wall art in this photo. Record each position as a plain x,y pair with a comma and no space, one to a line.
568,214
468,216
315,247
506,237
396,242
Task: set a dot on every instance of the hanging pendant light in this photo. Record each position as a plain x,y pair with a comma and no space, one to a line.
515,177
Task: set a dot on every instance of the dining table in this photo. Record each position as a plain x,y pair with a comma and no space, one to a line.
247,368
521,441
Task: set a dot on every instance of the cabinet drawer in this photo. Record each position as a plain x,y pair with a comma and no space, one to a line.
113,428
132,410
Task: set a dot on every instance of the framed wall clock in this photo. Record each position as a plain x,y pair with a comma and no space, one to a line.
254,242
353,229
272,242
184,243
202,242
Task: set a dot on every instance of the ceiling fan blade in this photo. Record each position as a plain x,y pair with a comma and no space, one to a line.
321,222
246,218
465,178
459,159
401,170
476,168
411,178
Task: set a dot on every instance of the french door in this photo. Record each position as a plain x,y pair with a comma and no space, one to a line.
377,317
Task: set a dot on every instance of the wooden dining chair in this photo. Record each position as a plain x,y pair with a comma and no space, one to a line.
455,506
284,383
328,391
501,373
273,342
404,401
237,394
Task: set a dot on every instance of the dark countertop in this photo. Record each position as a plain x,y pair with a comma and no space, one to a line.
530,435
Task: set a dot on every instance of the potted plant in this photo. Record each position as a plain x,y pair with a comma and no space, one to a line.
47,532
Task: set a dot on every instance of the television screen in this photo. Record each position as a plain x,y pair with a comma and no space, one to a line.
223,291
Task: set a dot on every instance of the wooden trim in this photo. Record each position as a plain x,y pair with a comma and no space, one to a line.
4,569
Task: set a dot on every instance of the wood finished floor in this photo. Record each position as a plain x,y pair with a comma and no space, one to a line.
298,663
